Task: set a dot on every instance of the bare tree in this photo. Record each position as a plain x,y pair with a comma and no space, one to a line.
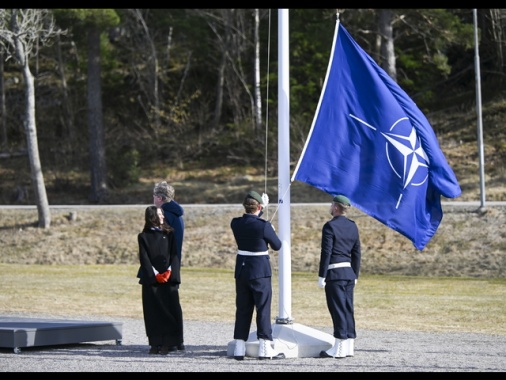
93,22
3,116
152,62
98,167
21,30
386,17
497,31
231,40
67,106
258,96
225,45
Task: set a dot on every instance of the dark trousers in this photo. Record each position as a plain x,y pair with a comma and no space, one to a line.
251,294
163,315
339,296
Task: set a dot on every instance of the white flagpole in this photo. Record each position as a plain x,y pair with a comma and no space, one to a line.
478,110
285,274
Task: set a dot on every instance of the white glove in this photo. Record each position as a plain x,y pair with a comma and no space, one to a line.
265,200
321,282
356,280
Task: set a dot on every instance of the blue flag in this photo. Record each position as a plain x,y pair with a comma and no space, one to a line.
371,143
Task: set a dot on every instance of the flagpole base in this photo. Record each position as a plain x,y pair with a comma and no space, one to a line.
284,321
294,340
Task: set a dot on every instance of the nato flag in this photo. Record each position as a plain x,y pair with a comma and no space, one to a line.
370,142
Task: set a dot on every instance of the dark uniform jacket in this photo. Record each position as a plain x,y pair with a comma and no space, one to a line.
163,253
173,213
254,234
340,243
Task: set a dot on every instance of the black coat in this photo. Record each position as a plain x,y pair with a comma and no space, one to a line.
163,316
158,250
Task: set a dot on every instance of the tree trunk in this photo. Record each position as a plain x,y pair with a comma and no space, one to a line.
67,108
183,79
387,43
3,116
32,144
153,71
497,31
220,83
95,119
258,95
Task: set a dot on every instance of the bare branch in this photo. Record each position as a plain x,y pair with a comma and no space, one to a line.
27,26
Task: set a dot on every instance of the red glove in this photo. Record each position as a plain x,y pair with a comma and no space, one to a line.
160,278
166,275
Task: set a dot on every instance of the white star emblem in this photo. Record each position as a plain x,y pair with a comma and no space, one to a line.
411,148
414,157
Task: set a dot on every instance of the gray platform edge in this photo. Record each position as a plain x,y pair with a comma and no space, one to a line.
18,333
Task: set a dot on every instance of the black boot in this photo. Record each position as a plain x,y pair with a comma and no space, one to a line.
166,349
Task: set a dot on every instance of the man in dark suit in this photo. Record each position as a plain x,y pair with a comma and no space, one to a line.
163,197
253,274
338,273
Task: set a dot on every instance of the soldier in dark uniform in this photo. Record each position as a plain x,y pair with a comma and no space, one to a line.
253,273
338,274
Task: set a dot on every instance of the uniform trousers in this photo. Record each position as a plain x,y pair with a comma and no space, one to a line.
251,294
339,294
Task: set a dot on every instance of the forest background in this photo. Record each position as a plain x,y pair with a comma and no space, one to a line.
124,98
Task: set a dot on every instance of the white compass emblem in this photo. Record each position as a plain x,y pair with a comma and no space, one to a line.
404,152
411,150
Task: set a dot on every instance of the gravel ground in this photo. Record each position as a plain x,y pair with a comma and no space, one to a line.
206,351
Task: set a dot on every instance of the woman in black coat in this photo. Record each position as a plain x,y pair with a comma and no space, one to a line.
160,276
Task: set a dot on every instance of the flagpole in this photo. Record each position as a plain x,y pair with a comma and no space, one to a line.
478,110
285,275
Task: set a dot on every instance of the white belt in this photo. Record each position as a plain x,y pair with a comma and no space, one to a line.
248,253
339,265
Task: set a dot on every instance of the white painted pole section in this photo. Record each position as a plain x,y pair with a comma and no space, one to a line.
478,110
285,270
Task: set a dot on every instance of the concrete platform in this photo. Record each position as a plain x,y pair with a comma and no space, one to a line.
16,332
293,339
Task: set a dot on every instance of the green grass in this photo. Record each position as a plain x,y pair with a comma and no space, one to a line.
396,303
